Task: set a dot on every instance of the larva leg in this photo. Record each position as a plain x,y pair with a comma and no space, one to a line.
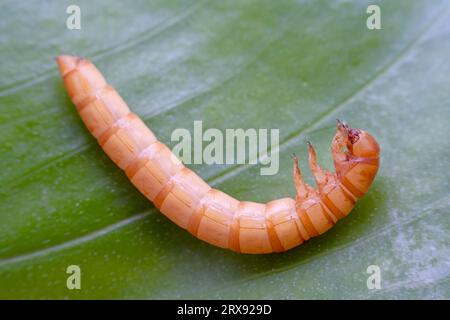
329,190
321,176
335,202
302,188
307,206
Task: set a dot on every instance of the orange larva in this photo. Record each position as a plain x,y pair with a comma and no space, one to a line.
208,213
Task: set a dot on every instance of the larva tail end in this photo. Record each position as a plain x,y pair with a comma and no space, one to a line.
67,63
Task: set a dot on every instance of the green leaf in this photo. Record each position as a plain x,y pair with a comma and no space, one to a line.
290,65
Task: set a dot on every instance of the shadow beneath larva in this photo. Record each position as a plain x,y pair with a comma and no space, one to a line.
177,244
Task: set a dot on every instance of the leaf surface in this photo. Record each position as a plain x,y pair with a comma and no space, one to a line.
288,65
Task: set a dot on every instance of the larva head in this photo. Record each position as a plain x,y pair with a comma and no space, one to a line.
359,142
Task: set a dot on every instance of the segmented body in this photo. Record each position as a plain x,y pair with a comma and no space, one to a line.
208,213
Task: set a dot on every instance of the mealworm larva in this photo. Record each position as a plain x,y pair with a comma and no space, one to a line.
208,213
